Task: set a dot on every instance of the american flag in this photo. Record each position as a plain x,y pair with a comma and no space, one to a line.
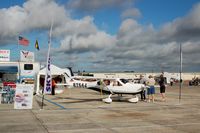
23,41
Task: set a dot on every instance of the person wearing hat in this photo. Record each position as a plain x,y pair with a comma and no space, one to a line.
151,89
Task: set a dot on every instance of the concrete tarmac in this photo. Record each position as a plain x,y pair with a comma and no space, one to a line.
82,111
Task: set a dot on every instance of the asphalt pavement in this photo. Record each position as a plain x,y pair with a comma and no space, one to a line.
82,111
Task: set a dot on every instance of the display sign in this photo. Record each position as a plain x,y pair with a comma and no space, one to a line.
4,55
48,81
26,56
23,96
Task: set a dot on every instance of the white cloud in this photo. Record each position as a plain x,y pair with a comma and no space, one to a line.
131,13
185,28
149,48
11,21
129,26
33,15
93,5
93,42
135,47
41,12
82,27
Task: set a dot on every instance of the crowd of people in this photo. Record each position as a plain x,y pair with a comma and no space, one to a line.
150,83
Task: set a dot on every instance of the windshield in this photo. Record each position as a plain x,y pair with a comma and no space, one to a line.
124,81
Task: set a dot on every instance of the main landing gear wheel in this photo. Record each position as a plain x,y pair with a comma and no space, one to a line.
134,99
107,100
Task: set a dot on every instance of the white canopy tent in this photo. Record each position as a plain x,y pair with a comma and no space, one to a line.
55,72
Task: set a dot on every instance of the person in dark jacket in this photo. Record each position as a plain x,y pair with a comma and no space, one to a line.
162,87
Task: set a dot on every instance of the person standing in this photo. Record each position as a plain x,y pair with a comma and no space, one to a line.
151,89
53,87
143,92
171,81
162,87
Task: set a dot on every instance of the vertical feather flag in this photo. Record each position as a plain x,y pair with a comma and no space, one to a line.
37,45
48,77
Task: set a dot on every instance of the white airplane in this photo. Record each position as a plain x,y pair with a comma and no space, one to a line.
108,86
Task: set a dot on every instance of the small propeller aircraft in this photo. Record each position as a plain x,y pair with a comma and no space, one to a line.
109,86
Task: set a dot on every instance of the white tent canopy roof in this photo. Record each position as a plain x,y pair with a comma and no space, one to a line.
55,71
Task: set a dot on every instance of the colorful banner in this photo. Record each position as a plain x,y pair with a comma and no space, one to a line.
26,56
24,96
4,55
47,85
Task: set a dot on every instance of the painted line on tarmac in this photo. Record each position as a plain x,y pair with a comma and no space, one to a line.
62,107
168,125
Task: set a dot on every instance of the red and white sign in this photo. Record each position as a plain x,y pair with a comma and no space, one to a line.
4,55
23,96
26,56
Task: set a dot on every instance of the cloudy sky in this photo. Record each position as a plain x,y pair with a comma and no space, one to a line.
106,35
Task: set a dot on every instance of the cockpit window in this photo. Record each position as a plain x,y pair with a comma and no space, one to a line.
117,83
124,81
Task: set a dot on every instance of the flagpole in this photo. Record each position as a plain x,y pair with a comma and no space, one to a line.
180,82
25,42
47,82
35,53
19,73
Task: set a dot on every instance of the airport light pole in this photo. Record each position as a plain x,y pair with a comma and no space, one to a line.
180,85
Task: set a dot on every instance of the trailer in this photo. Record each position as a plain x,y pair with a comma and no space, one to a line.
18,72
